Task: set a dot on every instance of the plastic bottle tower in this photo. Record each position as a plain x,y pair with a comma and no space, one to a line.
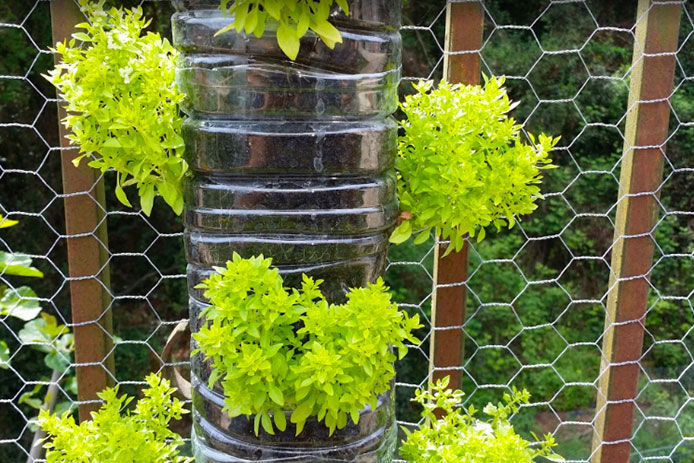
292,160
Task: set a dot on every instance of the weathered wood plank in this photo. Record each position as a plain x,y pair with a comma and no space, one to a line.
464,27
87,248
637,212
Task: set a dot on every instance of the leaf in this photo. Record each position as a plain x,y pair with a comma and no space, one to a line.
260,26
82,36
354,414
274,8
28,398
267,424
42,331
214,377
120,194
112,142
147,199
288,40
276,394
4,355
56,361
18,265
423,237
280,420
65,406
170,193
343,5
32,333
450,247
7,223
251,20
300,414
51,327
225,29
20,303
303,23
327,32
402,233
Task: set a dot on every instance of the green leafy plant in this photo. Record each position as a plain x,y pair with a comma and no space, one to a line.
46,335
292,20
462,163
122,103
461,437
21,302
42,332
116,434
276,350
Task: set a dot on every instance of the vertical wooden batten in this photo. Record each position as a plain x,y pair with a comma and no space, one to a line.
652,76
464,30
87,248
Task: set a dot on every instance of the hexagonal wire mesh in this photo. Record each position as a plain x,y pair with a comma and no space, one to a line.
537,294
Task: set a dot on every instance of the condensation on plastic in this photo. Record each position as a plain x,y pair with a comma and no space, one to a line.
292,160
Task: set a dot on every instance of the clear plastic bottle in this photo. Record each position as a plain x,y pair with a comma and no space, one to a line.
293,160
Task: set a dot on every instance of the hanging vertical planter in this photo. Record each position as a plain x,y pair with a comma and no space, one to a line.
292,160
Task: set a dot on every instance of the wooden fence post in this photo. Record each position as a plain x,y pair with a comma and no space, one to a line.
87,247
464,26
652,76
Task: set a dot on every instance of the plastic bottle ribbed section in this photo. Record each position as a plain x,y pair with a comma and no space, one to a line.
292,160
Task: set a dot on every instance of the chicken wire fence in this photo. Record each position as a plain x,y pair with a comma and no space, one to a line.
538,309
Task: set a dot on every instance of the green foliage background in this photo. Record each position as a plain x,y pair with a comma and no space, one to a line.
509,319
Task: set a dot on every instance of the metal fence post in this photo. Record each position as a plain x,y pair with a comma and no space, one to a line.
87,246
464,26
657,30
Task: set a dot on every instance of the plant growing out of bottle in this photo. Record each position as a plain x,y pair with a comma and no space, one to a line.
277,350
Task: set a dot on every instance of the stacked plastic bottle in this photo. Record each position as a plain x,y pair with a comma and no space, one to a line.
292,160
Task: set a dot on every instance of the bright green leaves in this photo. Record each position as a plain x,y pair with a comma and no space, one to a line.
117,434
292,19
122,104
338,361
461,437
463,164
